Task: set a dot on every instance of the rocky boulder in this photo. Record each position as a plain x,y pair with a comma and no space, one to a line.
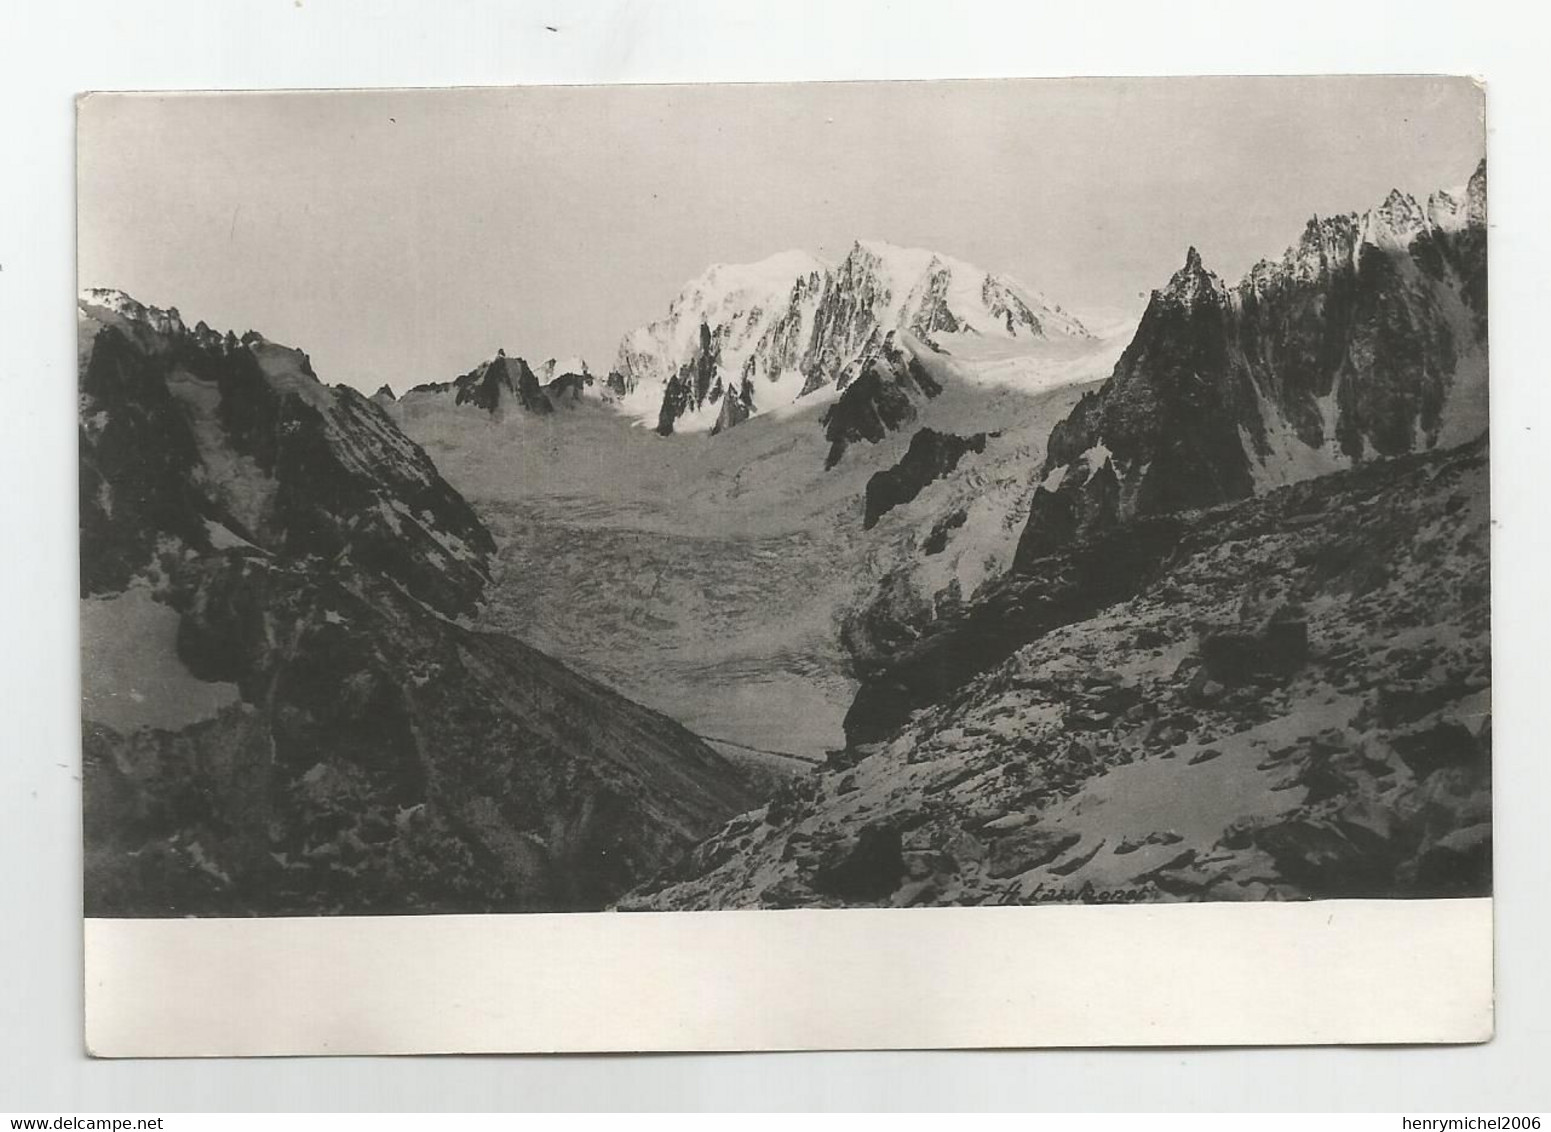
931,456
865,870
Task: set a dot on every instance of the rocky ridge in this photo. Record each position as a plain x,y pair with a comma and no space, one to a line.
1366,339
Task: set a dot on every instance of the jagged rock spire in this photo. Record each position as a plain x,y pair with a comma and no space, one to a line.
1349,347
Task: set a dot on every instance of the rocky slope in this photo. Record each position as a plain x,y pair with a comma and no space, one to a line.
1366,339
281,713
749,338
1284,697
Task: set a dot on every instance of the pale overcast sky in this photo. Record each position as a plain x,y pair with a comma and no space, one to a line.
403,236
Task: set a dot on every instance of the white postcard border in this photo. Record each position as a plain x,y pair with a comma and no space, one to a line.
1314,973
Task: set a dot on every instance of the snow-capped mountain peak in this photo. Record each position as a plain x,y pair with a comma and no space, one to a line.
745,338
740,300
1454,209
934,293
1396,222
722,283
124,306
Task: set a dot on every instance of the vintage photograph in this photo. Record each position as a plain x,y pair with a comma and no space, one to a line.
829,495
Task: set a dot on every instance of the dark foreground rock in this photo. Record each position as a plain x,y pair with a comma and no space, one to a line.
931,456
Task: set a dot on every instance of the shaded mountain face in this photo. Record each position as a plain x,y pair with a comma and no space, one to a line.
765,335
280,714
203,442
500,381
505,383
1367,339
489,385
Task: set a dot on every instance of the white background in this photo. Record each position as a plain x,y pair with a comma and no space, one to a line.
47,53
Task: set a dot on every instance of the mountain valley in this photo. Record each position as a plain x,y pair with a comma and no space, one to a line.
887,582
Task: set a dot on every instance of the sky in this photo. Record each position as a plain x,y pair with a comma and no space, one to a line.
405,236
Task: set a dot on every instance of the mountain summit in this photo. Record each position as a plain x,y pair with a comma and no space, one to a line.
743,339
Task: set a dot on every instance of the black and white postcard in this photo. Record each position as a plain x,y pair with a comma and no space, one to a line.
832,564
